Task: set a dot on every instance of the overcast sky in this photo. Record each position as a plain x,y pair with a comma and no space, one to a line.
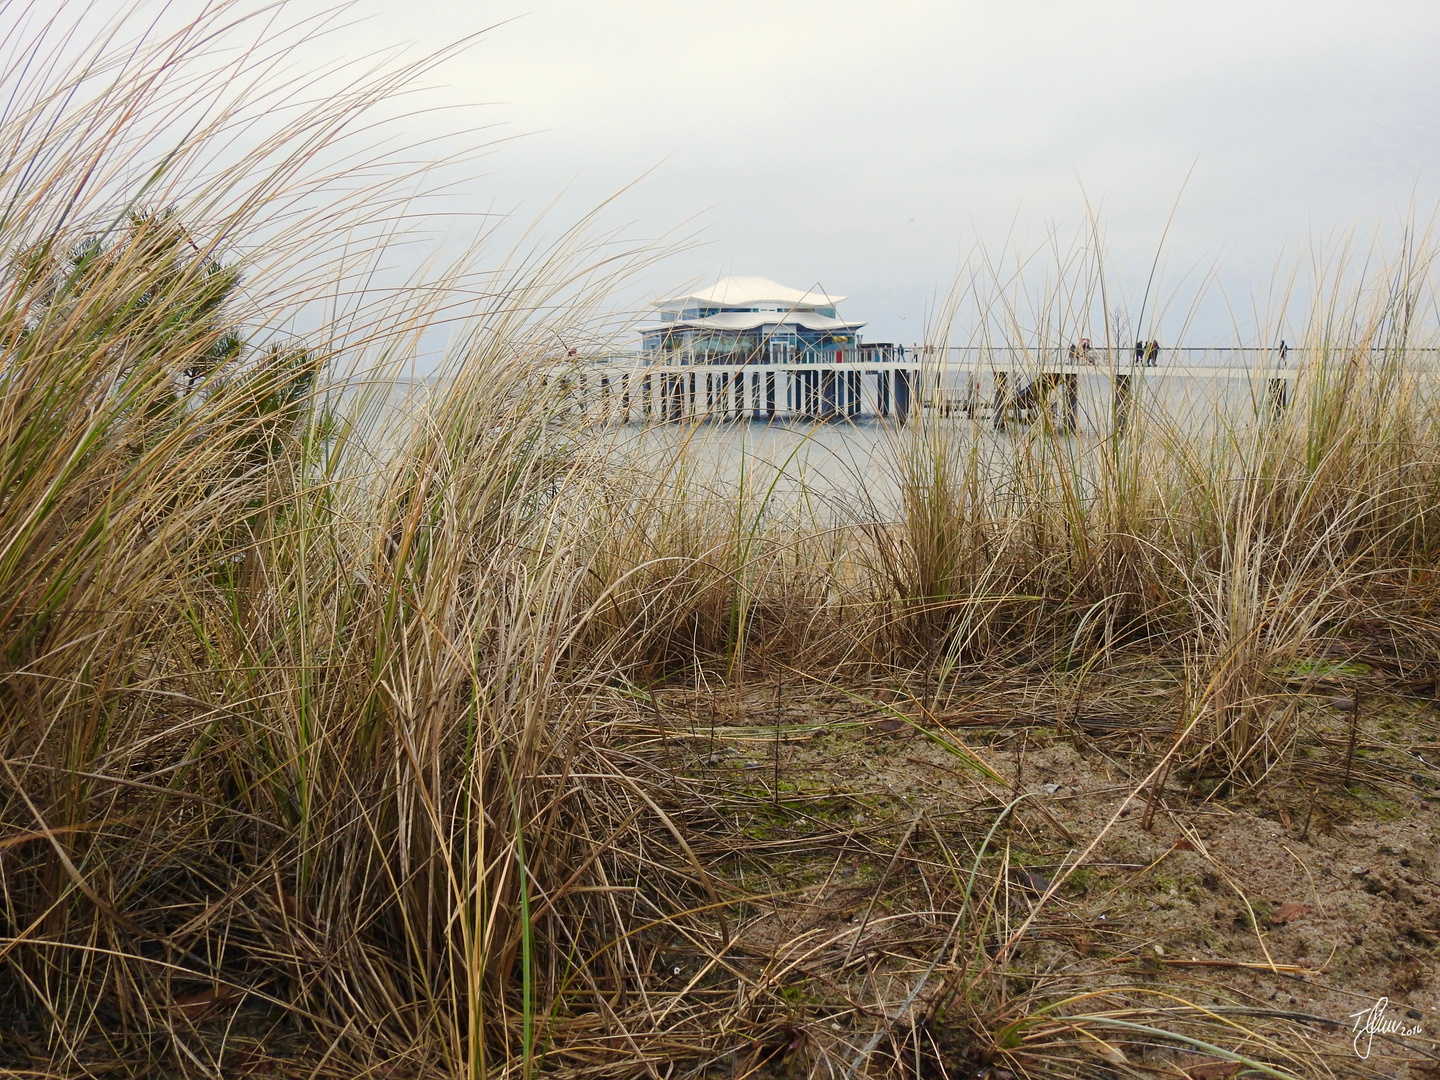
868,146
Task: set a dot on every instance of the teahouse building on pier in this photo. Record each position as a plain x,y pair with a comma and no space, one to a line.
753,320
749,346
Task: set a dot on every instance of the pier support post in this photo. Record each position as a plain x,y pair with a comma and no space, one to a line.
1070,404
904,383
855,380
829,405
882,392
1003,400
647,388
1121,402
770,395
669,398
1279,398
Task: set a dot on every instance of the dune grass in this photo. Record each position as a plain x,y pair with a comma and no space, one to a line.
347,743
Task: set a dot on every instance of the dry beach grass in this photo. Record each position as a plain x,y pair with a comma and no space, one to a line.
480,750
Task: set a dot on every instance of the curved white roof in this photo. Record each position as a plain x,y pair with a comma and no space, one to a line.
739,291
754,320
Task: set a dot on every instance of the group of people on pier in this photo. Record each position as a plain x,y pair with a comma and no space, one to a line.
1146,352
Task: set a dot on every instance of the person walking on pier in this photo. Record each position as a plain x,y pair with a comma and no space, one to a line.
1283,350
1152,353
1139,352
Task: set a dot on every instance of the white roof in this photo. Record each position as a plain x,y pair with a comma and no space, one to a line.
753,320
737,291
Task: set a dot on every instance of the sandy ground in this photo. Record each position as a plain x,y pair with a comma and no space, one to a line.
1300,902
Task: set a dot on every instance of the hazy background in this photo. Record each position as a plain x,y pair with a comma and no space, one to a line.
869,147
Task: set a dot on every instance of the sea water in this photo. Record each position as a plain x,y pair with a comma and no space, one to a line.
854,469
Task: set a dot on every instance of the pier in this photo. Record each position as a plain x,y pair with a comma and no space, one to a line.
749,348
1006,387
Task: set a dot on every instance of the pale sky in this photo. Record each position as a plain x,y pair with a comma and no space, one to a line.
868,146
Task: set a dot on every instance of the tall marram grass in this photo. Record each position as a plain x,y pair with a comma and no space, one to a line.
318,734
280,720
1236,545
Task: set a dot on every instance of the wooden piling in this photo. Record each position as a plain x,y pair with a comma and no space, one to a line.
903,386
1122,399
829,404
1003,398
1279,398
1070,404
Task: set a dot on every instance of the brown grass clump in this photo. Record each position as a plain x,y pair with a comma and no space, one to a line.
295,740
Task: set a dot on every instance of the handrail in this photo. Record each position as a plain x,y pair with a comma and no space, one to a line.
1020,358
